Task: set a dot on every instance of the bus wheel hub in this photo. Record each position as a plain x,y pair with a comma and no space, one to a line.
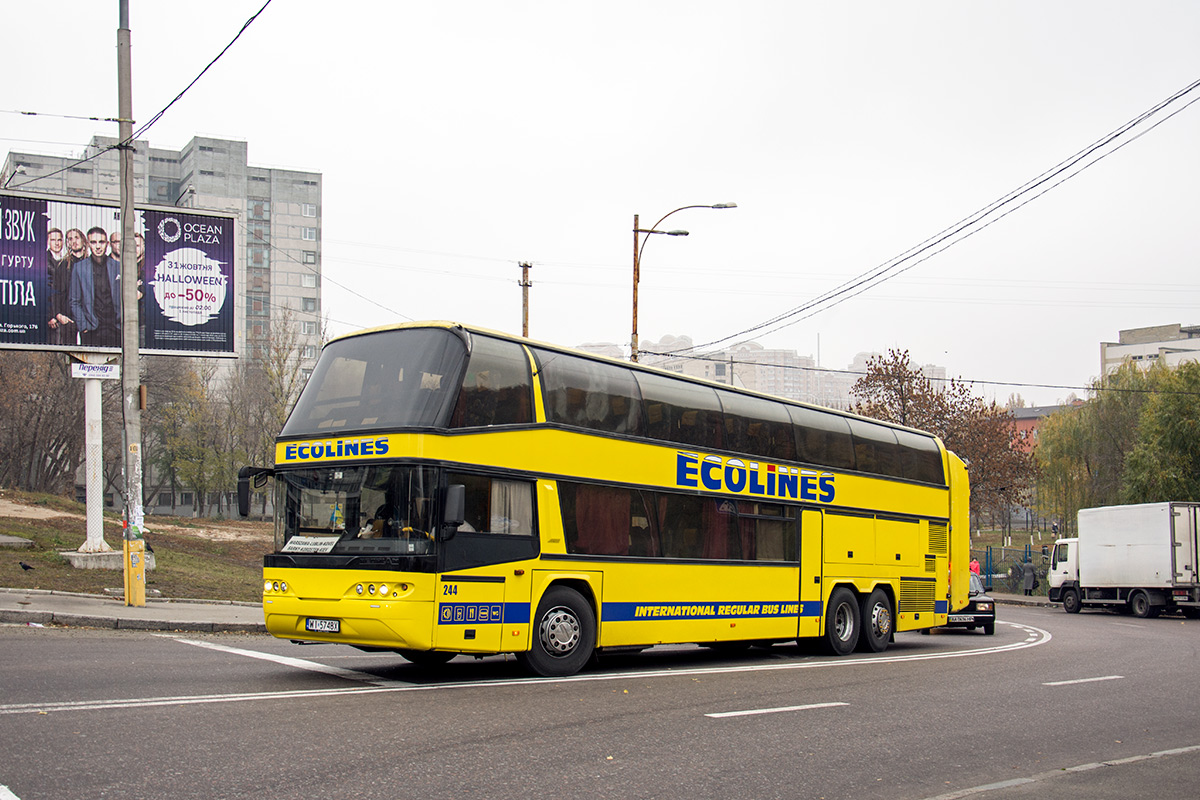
560,631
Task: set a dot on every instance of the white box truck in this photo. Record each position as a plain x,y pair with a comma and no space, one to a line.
1139,558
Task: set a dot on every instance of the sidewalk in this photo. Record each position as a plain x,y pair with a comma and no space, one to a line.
42,607
1021,600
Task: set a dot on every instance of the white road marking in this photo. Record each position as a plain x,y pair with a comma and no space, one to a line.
1047,776
755,711
299,663
397,686
6,793
1084,680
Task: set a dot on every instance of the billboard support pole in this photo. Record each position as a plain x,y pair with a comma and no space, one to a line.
94,459
134,545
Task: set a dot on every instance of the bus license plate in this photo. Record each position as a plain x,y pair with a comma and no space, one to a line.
962,618
323,625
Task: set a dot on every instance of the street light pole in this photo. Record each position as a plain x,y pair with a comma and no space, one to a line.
639,244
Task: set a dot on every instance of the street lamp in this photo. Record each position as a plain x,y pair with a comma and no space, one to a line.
639,244
20,170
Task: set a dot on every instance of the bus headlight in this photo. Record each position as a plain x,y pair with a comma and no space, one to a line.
275,586
359,589
383,588
370,588
283,586
266,586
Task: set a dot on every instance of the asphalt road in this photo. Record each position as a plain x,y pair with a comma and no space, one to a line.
1094,705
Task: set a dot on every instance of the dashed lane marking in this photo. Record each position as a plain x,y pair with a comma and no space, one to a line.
755,711
1084,680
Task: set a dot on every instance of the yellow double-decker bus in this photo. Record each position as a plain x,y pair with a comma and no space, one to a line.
445,490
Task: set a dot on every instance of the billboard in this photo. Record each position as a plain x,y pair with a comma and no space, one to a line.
60,277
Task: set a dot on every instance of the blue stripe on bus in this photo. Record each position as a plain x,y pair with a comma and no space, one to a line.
630,612
482,613
941,607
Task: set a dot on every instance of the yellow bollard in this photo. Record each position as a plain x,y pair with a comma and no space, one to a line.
135,572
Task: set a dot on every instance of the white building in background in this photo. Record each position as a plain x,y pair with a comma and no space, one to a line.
779,372
1170,345
278,269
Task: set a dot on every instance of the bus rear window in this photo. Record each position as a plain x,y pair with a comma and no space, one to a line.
388,379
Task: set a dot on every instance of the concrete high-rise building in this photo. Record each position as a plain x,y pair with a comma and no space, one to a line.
1169,345
278,212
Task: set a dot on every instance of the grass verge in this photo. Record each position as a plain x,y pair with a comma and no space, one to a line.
195,558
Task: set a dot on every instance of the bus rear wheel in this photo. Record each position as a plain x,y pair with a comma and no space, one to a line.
842,622
877,623
564,634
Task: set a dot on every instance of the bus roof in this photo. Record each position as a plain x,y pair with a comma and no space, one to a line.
456,326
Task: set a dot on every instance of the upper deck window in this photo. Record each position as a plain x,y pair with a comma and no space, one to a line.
822,438
589,394
681,411
758,426
388,379
920,458
497,388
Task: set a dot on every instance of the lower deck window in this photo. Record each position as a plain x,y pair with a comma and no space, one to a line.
617,521
494,505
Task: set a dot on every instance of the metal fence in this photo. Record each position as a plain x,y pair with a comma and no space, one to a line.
1003,568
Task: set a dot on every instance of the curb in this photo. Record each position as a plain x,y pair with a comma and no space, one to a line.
91,621
121,596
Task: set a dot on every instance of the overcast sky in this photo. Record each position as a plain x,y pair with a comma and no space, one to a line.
459,138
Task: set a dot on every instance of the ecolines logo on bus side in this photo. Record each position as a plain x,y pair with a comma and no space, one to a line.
340,448
719,474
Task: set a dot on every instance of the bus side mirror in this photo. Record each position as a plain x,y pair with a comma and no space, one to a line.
260,475
455,510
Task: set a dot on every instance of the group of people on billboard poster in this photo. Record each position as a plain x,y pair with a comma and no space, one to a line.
85,285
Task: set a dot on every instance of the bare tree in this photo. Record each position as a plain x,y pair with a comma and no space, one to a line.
41,422
983,434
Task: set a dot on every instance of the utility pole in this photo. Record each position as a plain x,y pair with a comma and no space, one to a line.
637,276
525,284
134,545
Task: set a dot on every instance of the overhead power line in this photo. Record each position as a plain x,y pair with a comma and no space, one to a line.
732,362
142,130
972,223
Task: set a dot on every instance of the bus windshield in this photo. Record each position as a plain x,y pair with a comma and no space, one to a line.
384,380
367,510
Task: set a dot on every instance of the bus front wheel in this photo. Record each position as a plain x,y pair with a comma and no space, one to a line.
842,622
564,634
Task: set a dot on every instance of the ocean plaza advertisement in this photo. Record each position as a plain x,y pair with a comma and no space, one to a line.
60,277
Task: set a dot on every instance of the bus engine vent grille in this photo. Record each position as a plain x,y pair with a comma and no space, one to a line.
939,538
916,596
930,563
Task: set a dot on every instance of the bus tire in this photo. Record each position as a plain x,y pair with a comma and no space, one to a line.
426,658
564,634
876,622
1071,602
842,622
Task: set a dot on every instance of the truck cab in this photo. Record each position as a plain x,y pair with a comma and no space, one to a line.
1064,568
